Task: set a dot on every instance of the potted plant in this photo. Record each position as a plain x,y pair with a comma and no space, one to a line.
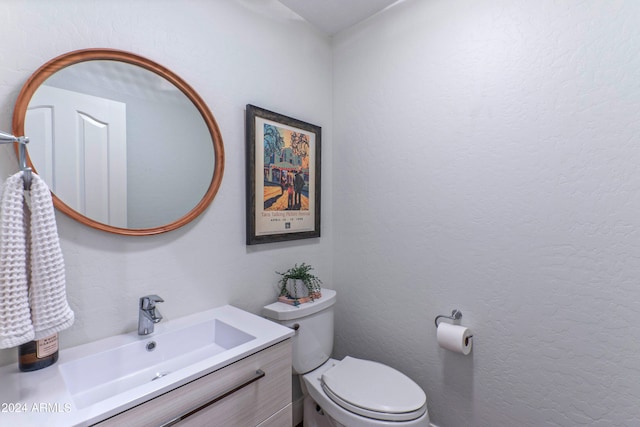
298,284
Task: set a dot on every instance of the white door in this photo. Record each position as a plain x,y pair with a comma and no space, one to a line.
78,145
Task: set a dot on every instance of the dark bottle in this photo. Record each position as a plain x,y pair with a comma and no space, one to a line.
38,354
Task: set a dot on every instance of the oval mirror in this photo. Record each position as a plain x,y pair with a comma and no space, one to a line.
124,144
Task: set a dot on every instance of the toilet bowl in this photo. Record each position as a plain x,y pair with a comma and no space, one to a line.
361,393
350,392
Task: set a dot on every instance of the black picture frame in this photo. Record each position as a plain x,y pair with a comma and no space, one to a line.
283,164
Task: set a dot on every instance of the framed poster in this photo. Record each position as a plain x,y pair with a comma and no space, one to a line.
283,177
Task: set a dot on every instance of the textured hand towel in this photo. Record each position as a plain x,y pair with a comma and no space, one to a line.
50,312
15,316
33,301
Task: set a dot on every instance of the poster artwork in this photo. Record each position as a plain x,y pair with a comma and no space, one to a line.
287,179
283,177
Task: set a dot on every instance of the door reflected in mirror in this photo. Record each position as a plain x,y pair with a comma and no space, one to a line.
124,144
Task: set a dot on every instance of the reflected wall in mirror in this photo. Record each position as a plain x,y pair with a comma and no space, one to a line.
125,145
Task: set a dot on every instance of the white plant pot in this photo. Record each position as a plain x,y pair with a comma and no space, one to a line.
297,288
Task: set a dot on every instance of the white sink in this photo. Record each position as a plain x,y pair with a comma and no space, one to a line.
103,374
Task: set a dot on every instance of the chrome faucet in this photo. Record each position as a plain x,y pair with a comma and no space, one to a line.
148,314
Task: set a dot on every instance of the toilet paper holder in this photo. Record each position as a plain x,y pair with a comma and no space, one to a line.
455,315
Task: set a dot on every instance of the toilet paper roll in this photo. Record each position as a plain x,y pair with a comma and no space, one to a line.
455,338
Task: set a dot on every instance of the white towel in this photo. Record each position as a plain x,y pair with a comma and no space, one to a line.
47,310
50,312
15,316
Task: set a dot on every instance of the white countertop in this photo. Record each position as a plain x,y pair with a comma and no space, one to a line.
40,398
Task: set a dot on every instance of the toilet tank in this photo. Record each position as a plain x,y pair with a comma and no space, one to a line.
313,342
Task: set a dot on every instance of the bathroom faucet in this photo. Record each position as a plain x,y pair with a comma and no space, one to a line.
148,314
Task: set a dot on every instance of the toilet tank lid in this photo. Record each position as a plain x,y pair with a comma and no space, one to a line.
282,311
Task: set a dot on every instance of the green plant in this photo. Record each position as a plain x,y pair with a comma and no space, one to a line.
303,273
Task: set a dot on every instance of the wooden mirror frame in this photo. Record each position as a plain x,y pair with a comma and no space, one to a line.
67,59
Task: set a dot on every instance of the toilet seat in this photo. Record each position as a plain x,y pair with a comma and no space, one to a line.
374,390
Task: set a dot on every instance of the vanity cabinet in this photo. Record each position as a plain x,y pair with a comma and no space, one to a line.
254,391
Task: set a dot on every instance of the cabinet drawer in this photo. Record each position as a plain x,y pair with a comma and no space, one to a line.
282,418
241,395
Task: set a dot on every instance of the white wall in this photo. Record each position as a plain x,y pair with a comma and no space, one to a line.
487,158
232,53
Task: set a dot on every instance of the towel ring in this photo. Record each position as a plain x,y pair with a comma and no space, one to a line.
22,141
22,154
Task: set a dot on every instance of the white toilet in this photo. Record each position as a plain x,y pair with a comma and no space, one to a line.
350,392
